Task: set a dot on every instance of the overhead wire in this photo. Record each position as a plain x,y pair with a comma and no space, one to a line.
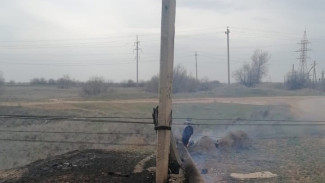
68,132
270,138
74,142
145,121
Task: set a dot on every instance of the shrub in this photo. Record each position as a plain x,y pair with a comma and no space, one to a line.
94,86
296,81
205,85
152,85
64,82
182,82
129,83
38,81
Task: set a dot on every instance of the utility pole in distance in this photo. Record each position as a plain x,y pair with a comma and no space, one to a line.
227,32
195,65
165,89
314,73
137,57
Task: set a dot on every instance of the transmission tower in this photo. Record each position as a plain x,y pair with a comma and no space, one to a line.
303,53
137,48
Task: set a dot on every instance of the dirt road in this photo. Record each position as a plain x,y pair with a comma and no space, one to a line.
312,108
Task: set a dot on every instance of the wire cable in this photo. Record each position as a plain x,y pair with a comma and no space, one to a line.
149,118
73,142
147,121
70,132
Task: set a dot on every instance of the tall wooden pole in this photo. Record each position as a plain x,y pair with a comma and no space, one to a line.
165,88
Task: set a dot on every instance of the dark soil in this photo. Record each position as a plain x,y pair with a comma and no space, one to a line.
89,166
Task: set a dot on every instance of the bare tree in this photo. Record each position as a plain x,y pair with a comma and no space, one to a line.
252,74
182,81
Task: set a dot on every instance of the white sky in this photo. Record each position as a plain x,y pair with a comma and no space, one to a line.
85,38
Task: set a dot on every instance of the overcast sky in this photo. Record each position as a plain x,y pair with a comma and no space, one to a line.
85,38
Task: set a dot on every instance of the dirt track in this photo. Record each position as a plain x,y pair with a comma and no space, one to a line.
310,107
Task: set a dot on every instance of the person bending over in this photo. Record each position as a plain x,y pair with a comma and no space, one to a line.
187,133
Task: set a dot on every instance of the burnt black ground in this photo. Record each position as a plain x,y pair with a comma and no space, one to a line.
89,166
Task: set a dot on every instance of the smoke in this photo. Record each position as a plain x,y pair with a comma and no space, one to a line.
203,145
234,141
219,150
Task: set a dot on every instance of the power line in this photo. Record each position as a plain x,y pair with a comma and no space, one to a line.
73,142
268,138
80,39
148,120
91,120
252,124
280,33
127,133
202,30
84,117
59,46
72,64
247,122
69,132
254,120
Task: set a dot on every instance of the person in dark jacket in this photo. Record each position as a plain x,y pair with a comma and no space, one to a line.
187,133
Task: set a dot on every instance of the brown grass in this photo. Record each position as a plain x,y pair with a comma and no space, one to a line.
204,145
234,141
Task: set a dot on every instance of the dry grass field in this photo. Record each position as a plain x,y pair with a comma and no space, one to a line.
295,153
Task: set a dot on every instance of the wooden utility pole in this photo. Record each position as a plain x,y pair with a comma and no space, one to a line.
314,73
195,65
227,32
165,88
